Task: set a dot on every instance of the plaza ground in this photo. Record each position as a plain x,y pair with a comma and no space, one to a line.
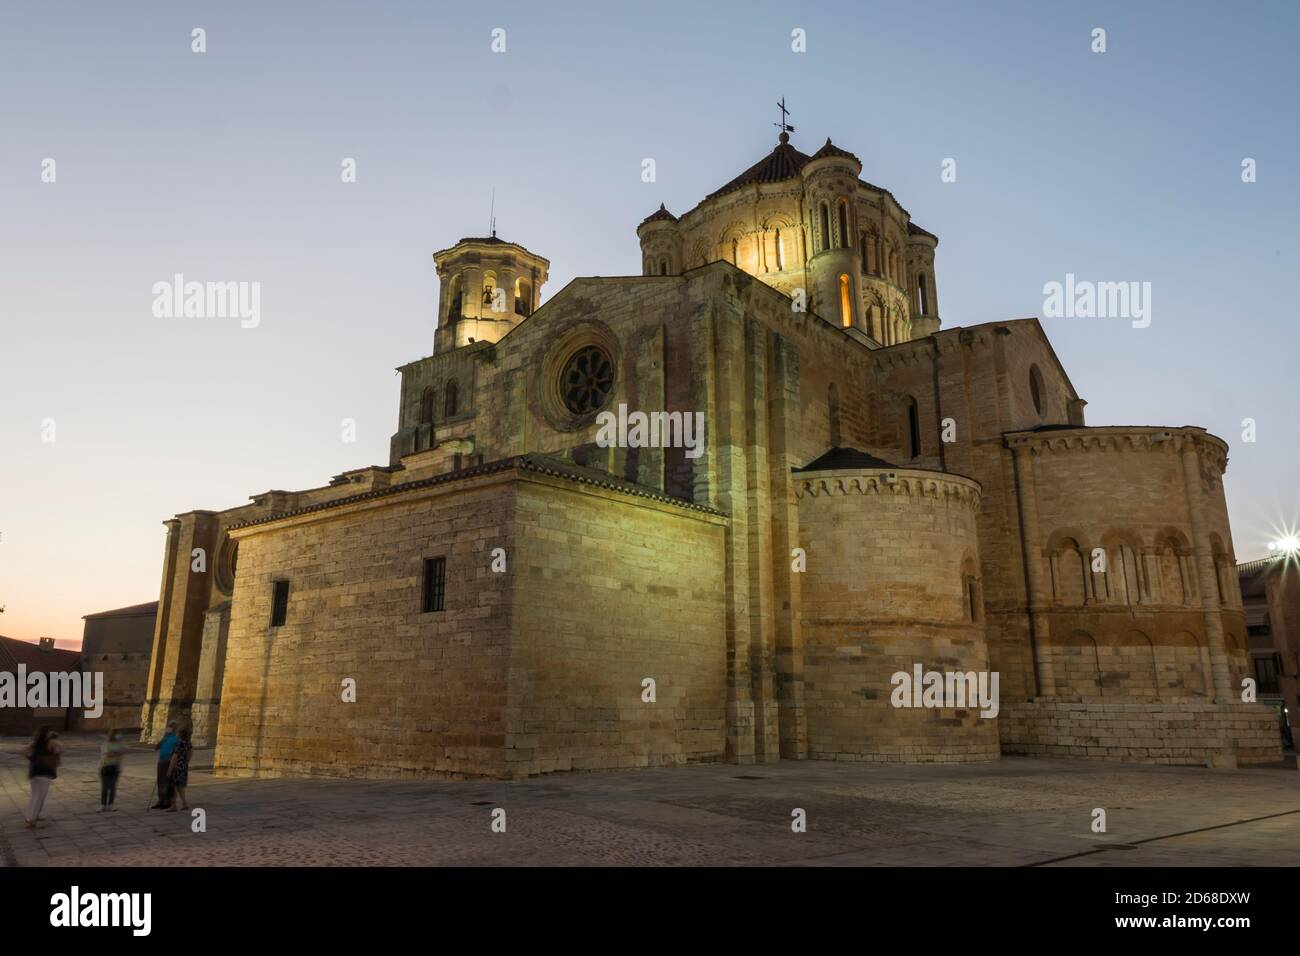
1011,812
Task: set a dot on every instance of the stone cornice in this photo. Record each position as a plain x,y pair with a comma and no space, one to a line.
1212,450
910,483
520,466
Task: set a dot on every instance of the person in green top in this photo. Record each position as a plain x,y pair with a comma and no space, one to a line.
110,769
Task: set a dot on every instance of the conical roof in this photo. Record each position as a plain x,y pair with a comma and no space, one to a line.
782,163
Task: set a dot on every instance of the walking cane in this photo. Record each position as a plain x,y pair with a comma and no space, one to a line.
149,805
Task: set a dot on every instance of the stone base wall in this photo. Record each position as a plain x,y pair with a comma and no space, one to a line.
848,689
1191,732
430,688
609,591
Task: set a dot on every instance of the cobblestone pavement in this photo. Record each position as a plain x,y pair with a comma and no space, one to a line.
1015,811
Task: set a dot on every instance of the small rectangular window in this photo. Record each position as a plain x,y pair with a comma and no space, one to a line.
435,584
279,603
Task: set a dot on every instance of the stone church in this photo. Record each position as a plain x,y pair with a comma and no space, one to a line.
876,494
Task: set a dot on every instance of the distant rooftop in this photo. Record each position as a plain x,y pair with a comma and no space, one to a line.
1247,568
135,610
35,657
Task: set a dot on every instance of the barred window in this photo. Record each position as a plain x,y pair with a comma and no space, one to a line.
435,584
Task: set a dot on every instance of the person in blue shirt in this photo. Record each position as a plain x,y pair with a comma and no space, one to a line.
165,747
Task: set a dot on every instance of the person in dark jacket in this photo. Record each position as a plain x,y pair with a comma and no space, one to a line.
110,770
42,768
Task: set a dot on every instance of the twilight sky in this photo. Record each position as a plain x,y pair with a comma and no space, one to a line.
225,166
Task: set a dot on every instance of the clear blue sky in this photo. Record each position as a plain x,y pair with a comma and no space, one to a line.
225,166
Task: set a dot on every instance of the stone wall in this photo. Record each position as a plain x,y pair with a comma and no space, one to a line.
609,590
206,711
118,644
534,668
431,689
892,569
1193,733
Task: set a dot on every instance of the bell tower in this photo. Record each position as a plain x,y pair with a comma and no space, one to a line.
487,286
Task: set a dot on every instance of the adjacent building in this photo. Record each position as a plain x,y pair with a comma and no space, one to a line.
118,644
25,658
1270,594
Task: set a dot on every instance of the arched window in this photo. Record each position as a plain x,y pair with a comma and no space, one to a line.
913,427
663,267
826,228
780,257
1123,583
449,403
846,301
922,296
426,406
453,313
489,287
735,252
1036,388
523,297
844,225
1069,573
862,251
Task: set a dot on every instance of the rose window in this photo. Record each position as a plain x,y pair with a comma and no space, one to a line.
587,380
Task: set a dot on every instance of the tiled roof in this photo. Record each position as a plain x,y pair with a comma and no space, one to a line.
491,240
1254,567
830,149
540,464
781,164
135,610
914,229
660,213
14,652
786,162
841,459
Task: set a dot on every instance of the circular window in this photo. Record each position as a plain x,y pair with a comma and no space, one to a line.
587,380
1036,388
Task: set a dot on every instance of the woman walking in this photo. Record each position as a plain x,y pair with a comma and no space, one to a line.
110,770
179,771
42,768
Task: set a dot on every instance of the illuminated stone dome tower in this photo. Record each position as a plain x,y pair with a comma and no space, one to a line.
811,223
486,288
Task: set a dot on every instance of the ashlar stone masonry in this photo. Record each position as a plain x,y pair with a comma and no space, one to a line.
507,595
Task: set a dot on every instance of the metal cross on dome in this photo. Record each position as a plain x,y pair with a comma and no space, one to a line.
783,125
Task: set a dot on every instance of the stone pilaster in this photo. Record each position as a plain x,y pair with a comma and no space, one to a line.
1206,573
178,633
787,607
727,445
1035,581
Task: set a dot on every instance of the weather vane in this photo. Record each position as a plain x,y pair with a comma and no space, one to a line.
783,125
